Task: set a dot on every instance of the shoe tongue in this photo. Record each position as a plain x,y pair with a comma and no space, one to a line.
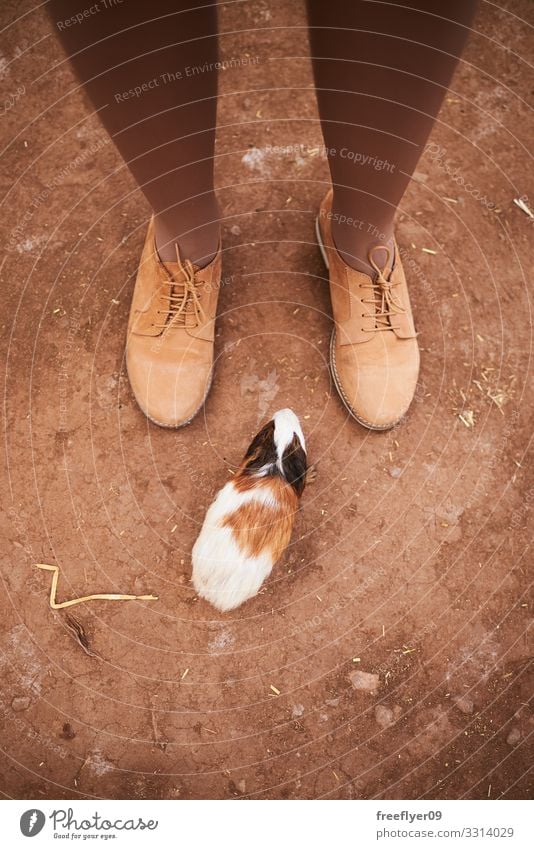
177,270
385,272
180,275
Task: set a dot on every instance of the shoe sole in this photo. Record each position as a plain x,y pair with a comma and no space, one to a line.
165,424
332,358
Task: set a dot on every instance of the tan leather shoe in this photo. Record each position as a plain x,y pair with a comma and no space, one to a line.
374,355
169,350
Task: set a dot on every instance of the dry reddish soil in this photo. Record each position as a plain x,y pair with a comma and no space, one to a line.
410,557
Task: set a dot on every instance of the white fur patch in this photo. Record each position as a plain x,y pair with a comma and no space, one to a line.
222,573
286,425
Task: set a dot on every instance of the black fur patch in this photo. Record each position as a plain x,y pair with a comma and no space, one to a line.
295,465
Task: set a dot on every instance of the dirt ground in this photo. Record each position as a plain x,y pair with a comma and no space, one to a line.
410,557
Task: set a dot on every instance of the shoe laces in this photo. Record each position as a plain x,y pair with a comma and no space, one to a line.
383,295
184,297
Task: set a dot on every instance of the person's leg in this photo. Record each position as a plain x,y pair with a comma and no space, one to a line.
149,68
381,72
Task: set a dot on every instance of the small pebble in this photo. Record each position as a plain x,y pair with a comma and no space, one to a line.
465,704
514,737
384,716
395,472
235,230
298,710
368,681
20,703
67,733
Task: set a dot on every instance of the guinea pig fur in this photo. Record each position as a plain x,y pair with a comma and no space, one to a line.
249,524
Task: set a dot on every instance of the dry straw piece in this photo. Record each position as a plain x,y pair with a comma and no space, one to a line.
96,597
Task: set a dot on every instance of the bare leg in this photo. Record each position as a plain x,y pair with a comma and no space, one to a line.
164,128
381,72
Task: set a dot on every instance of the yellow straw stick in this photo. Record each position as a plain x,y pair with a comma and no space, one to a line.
97,597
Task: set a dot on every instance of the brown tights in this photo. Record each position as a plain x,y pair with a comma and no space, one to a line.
149,68
381,71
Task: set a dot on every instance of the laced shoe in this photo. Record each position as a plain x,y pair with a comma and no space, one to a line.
374,355
169,349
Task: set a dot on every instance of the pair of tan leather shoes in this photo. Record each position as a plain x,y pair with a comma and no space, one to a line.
374,354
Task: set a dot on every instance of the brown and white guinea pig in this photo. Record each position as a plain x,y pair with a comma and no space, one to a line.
249,524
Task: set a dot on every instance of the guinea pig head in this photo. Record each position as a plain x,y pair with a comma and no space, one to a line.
279,449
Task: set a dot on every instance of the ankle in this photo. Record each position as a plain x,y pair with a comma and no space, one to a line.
356,246
196,239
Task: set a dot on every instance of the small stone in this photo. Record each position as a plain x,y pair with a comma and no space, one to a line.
20,703
298,710
395,472
514,737
367,681
465,704
242,785
384,716
235,230
67,733
332,702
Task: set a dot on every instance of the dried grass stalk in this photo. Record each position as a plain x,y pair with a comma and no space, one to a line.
95,597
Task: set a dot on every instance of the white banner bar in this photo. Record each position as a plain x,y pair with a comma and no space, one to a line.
250,824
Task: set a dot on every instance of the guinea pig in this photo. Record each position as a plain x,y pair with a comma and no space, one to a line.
249,524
